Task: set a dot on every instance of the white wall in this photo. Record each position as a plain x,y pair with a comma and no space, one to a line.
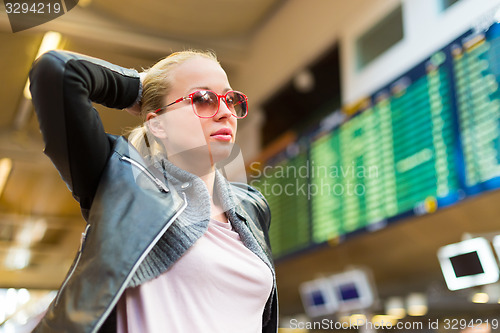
426,30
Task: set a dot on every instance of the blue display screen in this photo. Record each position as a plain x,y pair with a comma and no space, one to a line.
317,298
348,291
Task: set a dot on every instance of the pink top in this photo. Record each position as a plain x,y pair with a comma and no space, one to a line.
218,286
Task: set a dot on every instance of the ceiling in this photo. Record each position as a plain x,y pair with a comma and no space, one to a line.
136,34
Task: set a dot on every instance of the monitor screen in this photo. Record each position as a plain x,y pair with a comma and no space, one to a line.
468,263
348,291
317,298
354,289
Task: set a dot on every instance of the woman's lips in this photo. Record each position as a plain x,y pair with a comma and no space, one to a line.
224,134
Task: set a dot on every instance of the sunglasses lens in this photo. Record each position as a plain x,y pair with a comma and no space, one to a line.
205,103
237,103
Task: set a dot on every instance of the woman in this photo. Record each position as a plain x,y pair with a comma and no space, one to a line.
170,245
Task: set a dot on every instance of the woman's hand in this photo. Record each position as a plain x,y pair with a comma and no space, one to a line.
135,109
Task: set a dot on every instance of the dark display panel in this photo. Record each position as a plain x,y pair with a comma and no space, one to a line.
348,292
467,264
317,298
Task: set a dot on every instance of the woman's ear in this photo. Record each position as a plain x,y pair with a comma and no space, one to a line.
155,125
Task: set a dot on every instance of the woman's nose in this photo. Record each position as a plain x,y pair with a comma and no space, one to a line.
224,110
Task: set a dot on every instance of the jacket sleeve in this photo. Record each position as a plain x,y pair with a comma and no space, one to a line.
63,87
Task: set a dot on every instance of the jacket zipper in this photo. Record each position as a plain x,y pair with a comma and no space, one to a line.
70,274
136,266
148,173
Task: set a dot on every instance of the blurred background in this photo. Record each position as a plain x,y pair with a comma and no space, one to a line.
373,131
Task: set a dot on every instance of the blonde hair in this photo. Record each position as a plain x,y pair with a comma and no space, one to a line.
156,85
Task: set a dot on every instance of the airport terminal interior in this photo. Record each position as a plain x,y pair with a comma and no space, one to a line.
373,132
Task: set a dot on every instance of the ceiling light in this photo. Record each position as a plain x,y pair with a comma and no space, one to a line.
480,298
384,321
417,304
357,320
17,258
304,81
10,301
31,232
50,41
5,169
394,306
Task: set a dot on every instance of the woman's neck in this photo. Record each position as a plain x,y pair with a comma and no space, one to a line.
206,172
196,166
209,180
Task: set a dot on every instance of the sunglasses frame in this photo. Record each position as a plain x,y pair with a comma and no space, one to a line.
219,97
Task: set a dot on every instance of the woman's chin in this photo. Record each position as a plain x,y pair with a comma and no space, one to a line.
220,152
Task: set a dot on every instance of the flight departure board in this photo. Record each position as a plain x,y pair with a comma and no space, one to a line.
395,154
284,182
426,140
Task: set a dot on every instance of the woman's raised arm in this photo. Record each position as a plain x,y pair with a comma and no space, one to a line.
63,86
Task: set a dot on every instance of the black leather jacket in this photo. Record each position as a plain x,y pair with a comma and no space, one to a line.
100,171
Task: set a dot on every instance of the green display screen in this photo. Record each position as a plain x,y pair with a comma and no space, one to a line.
390,158
284,185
